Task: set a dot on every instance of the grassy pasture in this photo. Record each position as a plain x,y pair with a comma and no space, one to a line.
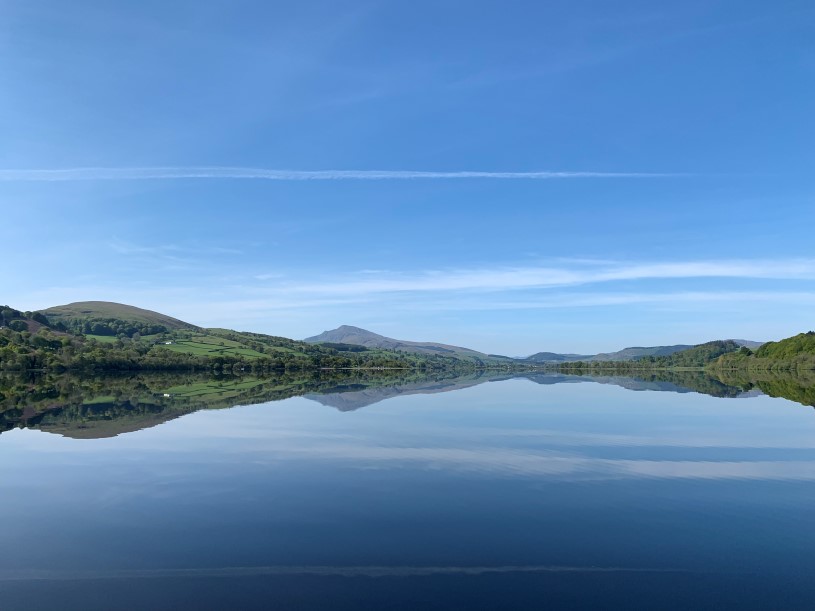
207,345
216,335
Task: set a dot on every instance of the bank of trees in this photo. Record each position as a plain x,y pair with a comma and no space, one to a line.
796,353
696,357
50,349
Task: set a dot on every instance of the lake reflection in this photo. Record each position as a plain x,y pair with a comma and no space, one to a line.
537,491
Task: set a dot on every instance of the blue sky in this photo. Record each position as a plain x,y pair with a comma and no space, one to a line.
634,172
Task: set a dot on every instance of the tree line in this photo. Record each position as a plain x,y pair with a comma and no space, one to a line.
29,342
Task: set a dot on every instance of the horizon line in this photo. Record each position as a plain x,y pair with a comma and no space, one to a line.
249,173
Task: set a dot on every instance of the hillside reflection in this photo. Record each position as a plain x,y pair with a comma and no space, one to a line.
98,407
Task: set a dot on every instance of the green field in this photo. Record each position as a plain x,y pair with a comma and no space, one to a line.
208,345
215,334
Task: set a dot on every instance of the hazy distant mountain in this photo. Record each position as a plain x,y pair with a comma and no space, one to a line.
635,352
626,354
554,357
749,343
361,337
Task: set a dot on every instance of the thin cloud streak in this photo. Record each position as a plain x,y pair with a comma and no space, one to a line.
551,277
237,173
682,299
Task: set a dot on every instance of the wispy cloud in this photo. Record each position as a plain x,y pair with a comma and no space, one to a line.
516,278
169,251
128,248
683,300
236,173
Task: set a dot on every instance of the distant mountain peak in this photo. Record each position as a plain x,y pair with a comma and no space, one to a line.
354,330
348,334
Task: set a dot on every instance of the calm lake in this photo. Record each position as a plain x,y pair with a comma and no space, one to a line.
480,492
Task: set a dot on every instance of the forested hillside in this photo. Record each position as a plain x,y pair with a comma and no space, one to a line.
107,318
698,356
792,353
792,347
30,340
695,357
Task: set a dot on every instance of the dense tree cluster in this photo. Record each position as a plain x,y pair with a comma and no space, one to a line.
110,327
15,319
795,353
801,344
792,354
696,357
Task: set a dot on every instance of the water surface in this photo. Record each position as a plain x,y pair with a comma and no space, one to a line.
483,491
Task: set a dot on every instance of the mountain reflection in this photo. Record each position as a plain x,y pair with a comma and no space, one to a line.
91,408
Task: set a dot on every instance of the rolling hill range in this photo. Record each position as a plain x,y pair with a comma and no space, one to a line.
626,354
105,336
355,336
554,357
635,352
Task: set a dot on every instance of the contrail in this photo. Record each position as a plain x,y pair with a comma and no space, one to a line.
173,173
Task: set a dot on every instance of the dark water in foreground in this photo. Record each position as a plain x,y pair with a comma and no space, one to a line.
533,492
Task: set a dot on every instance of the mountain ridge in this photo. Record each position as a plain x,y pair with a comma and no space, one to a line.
628,354
357,336
113,336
